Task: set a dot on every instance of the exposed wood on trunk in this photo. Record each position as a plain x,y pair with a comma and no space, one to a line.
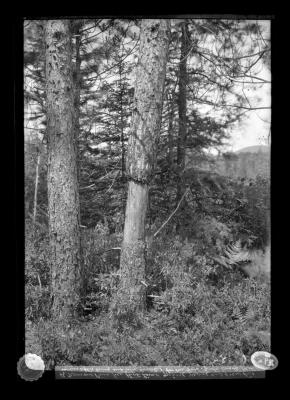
131,293
145,128
63,195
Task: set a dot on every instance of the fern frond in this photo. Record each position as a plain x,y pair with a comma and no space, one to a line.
232,255
236,254
243,315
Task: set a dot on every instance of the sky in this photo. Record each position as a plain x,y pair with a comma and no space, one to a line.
254,132
255,128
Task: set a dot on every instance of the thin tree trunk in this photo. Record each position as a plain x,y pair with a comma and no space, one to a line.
145,128
77,82
123,160
122,122
63,194
182,105
123,163
170,134
77,87
36,188
122,140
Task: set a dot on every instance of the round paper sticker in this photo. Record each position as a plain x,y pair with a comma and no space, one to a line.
264,360
30,367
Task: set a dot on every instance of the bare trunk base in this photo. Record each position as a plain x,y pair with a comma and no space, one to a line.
130,296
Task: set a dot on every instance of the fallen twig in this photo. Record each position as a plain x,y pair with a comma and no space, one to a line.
39,281
162,226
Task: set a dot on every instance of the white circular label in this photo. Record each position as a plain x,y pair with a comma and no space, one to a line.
264,360
34,362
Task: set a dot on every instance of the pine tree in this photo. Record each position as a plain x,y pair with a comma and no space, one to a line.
145,128
63,195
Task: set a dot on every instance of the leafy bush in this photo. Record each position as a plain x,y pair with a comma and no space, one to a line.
212,234
99,298
237,208
99,253
37,273
257,193
101,256
37,302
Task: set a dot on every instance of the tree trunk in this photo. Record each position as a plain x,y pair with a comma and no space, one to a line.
122,136
121,88
170,133
76,27
36,188
145,128
63,195
182,132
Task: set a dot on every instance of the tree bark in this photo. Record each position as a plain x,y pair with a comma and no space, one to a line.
36,188
63,195
121,125
121,116
76,27
170,133
182,105
145,128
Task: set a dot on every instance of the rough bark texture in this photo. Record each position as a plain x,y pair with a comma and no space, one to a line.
121,88
76,27
63,197
146,118
170,133
145,127
36,188
182,132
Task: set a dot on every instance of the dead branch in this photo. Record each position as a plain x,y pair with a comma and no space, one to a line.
168,219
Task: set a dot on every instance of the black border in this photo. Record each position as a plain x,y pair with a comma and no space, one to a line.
17,190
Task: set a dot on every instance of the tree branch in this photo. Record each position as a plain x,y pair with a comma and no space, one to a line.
162,226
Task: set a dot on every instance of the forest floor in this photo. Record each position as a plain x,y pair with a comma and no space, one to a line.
195,315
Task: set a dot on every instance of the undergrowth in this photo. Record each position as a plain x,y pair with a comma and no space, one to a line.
198,313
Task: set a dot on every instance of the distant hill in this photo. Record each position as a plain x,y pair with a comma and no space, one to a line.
247,162
254,149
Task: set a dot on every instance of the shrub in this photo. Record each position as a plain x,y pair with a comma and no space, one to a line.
95,245
100,295
37,273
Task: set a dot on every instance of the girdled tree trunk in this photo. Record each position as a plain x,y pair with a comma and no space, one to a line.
63,195
145,128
